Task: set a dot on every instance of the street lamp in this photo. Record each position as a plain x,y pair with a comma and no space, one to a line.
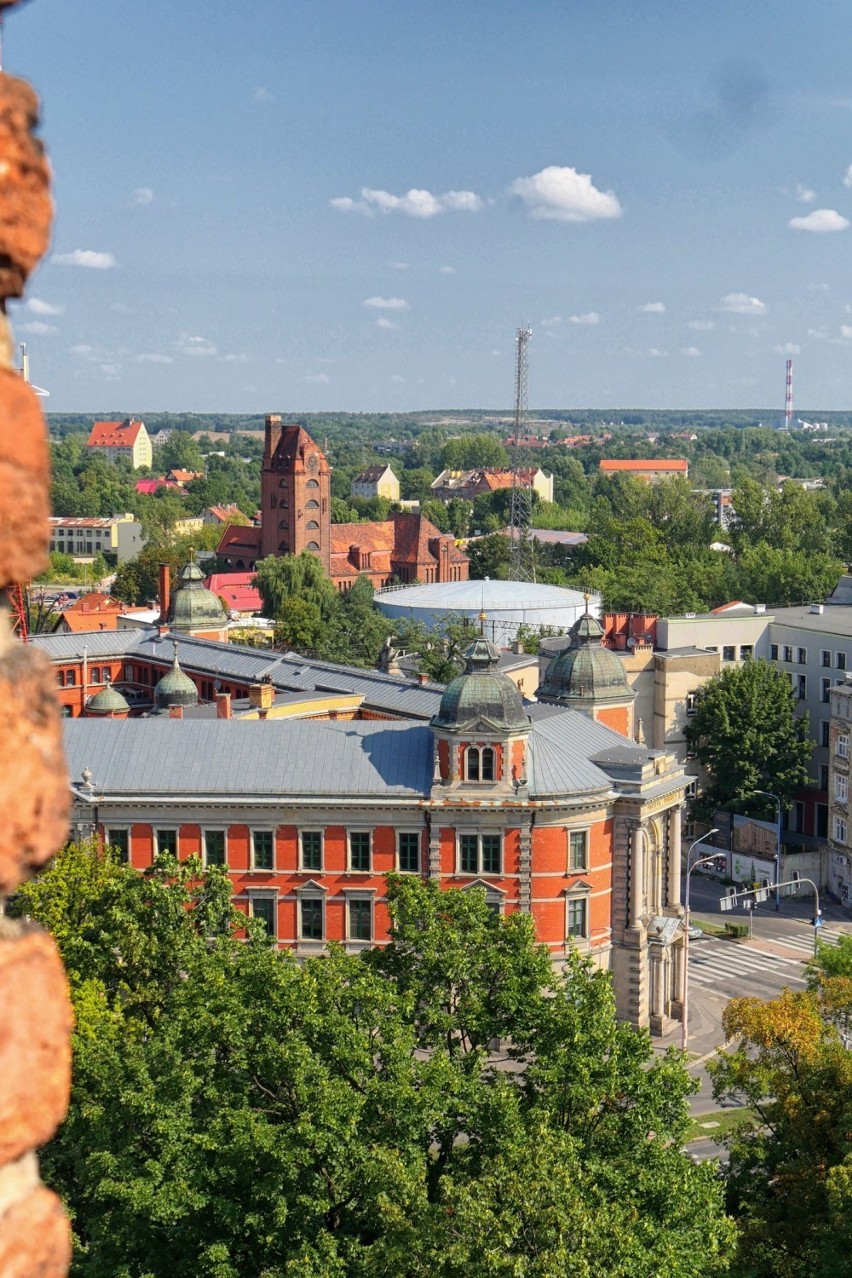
684,1030
769,795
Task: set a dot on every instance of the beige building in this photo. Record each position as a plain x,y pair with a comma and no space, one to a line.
127,439
471,484
120,535
375,481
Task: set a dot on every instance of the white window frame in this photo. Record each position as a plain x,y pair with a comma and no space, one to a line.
118,829
349,866
418,835
478,835
691,703
266,894
839,830
350,895
825,659
175,829
579,869
802,656
311,891
262,830
578,895
214,829
841,787
842,747
311,869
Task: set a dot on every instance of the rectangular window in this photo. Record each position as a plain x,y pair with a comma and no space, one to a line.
746,651
823,776
825,658
469,853
360,920
841,788
822,820
773,652
408,848
824,730
841,660
691,703
798,815
578,912
214,847
802,687
359,850
120,841
802,656
825,690
578,841
167,841
311,849
263,908
311,918
729,652
843,745
839,830
480,853
262,842
788,653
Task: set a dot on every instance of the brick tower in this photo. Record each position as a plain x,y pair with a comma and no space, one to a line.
295,494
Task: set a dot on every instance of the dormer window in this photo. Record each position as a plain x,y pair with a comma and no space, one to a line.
479,763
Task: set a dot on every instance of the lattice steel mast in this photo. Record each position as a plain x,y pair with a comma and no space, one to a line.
523,546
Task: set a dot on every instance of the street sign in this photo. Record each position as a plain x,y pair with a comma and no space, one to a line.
727,902
817,922
761,896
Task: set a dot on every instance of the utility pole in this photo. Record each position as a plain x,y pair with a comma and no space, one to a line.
523,548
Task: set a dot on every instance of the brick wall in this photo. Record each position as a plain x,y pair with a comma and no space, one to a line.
35,1015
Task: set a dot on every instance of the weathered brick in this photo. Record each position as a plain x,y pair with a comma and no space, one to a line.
34,795
35,1027
24,481
35,1238
26,210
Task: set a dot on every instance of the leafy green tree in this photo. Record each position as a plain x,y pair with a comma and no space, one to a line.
235,1112
468,451
342,512
745,734
490,557
180,452
283,578
789,1180
458,516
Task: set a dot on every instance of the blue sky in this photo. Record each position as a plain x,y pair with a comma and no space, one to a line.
352,204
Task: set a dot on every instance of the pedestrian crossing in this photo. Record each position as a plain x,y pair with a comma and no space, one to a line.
713,964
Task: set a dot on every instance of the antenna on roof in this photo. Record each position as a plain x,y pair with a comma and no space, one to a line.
24,370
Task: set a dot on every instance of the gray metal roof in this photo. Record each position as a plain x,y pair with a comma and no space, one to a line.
561,748
835,619
98,643
240,759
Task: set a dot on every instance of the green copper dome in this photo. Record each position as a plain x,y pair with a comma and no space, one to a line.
192,606
175,688
586,673
481,693
107,702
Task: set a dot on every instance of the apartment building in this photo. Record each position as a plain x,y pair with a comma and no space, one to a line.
119,535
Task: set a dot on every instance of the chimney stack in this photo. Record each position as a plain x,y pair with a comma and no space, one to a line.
165,593
223,705
422,678
175,712
273,434
261,696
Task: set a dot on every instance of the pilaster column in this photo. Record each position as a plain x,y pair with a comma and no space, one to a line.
675,817
637,872
434,867
525,868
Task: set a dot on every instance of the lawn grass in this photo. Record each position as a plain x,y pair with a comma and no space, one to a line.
728,1120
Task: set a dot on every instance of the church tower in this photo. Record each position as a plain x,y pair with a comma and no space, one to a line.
295,497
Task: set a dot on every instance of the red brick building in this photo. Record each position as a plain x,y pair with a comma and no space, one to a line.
295,509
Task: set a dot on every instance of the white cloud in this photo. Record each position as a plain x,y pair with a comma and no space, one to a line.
39,328
83,351
590,317
804,194
417,202
317,379
701,325
386,303
121,308
154,359
742,304
820,221
564,195
85,257
397,380
553,321
111,371
692,352
143,195
446,270
237,359
653,308
383,322
196,346
38,307
847,176
846,332
262,94
653,353
788,348
400,266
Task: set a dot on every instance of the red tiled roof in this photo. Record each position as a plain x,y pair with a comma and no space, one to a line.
225,514
150,486
115,434
237,589
239,539
95,601
184,476
666,463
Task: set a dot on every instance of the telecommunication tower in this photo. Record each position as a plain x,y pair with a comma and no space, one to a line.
788,397
523,548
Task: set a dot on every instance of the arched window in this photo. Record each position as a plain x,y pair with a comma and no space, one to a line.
472,759
312,525
312,545
284,547
282,523
282,483
273,501
487,764
312,505
312,483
